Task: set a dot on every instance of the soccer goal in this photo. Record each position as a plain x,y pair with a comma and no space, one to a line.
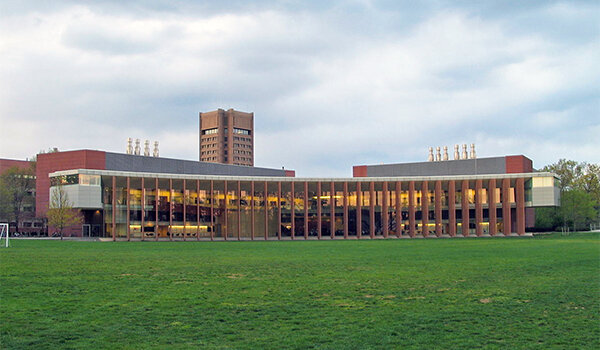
4,233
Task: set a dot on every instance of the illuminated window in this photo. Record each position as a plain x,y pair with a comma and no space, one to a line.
210,131
241,131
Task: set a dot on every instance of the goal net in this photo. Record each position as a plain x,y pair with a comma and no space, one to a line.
4,234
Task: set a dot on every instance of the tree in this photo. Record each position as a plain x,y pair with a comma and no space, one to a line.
589,181
577,207
547,218
567,171
579,185
16,189
5,202
60,212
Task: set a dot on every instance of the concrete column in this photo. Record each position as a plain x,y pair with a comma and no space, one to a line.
184,209
451,208
266,194
372,200
384,211
319,218
358,210
520,199
156,202
225,200
128,197
506,219
332,210
279,210
465,208
252,210
438,208
114,208
170,209
345,209
305,210
398,209
239,205
143,202
492,206
212,210
425,208
411,208
293,209
197,210
478,207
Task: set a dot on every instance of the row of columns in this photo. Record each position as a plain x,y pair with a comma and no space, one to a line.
506,208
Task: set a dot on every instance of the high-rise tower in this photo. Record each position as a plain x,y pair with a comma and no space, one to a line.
227,137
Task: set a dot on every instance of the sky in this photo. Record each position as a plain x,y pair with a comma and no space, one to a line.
331,84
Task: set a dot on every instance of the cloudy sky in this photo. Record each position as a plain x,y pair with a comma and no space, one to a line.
332,84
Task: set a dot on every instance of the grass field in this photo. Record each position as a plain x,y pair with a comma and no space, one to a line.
439,293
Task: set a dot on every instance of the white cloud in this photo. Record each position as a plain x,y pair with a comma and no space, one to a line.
326,93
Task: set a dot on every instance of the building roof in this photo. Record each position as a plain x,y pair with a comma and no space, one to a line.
297,179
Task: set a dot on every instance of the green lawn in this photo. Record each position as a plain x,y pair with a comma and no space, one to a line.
436,293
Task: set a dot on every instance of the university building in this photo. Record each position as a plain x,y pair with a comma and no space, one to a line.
224,197
131,197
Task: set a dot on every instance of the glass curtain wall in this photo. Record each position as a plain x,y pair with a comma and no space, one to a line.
286,209
164,206
299,209
352,209
325,201
121,208
107,200
458,205
218,209
272,205
365,199
246,210
418,209
205,202
482,197
431,213
190,199
135,208
404,203
445,213
339,209
259,210
471,200
176,229
392,224
313,202
378,206
149,213
185,211
232,209
498,201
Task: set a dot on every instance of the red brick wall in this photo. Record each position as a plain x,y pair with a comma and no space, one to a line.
518,164
290,173
5,164
50,162
359,171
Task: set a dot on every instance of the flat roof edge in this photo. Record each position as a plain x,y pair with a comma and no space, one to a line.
297,179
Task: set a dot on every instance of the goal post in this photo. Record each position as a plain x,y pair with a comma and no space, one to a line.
4,233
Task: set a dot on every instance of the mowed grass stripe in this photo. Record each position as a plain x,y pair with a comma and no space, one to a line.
462,293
